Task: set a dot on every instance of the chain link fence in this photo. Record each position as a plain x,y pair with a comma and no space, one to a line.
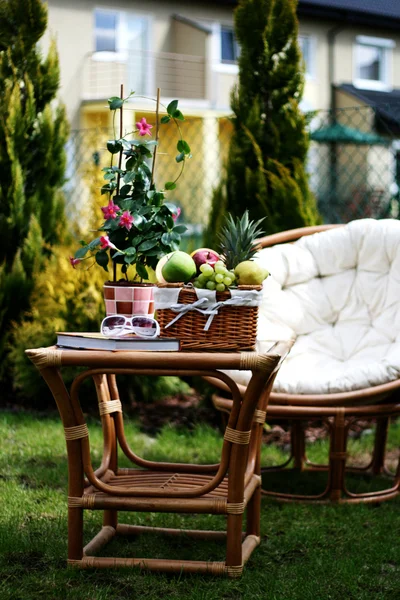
354,162
353,166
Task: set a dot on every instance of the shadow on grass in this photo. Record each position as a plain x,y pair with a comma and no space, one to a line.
294,481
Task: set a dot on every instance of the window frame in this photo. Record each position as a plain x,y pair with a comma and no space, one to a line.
311,66
386,48
121,52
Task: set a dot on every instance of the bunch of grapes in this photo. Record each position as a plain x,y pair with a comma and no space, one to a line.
214,278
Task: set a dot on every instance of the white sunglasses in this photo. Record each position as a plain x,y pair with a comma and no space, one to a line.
119,325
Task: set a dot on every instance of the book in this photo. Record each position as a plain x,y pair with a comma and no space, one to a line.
97,341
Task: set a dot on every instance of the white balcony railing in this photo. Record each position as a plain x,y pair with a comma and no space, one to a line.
178,75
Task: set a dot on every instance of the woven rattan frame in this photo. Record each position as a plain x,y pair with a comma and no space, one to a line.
226,488
339,411
233,328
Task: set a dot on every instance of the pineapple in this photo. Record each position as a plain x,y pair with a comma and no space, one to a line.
237,239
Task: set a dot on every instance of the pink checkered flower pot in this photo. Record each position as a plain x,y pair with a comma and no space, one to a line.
128,299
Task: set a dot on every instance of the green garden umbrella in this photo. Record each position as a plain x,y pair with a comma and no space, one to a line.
346,135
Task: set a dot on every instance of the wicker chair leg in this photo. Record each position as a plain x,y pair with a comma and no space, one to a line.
75,533
378,460
298,444
337,455
234,541
254,514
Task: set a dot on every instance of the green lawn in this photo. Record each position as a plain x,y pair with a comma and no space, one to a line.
307,552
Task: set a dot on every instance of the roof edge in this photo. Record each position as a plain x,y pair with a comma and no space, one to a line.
192,23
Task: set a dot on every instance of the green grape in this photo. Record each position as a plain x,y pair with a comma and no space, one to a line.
210,285
219,263
219,268
206,269
201,278
197,284
212,277
220,287
227,281
219,277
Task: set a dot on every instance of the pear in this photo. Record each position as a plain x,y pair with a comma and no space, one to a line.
249,272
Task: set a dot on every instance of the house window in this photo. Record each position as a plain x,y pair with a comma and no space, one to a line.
105,31
305,47
373,62
230,50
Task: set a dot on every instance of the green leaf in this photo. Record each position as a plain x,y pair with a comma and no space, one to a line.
171,207
180,157
171,108
180,229
170,185
136,240
102,259
166,239
178,115
130,259
108,187
175,237
94,243
114,146
130,163
115,102
170,222
165,119
124,191
183,146
141,271
129,176
147,245
81,252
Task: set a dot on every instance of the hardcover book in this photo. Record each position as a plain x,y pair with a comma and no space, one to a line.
97,341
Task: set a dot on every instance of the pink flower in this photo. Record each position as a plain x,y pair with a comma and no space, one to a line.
74,261
105,243
144,127
110,211
126,220
176,214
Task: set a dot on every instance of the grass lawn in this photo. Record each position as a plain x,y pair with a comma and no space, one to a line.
307,551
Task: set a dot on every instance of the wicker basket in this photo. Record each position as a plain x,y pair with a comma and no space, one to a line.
233,328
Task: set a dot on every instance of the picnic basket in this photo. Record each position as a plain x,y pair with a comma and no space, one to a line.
233,328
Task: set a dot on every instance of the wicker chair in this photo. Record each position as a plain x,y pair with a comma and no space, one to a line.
226,488
337,288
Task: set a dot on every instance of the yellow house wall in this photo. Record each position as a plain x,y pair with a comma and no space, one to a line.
72,23
317,88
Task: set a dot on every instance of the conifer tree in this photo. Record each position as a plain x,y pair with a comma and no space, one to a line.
266,162
32,159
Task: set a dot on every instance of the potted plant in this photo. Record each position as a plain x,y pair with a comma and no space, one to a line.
139,225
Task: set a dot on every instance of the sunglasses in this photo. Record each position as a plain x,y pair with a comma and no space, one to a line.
119,325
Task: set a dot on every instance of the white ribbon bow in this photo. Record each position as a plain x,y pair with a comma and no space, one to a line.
249,298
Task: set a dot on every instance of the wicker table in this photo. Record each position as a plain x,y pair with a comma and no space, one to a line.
228,487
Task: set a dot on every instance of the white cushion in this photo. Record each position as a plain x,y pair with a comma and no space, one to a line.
338,293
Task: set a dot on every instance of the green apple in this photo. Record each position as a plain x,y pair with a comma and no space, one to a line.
178,267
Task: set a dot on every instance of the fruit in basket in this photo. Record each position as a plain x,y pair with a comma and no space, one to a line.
238,240
204,256
249,272
160,264
214,278
179,266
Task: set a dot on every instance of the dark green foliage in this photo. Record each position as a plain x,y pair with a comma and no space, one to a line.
32,158
268,149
